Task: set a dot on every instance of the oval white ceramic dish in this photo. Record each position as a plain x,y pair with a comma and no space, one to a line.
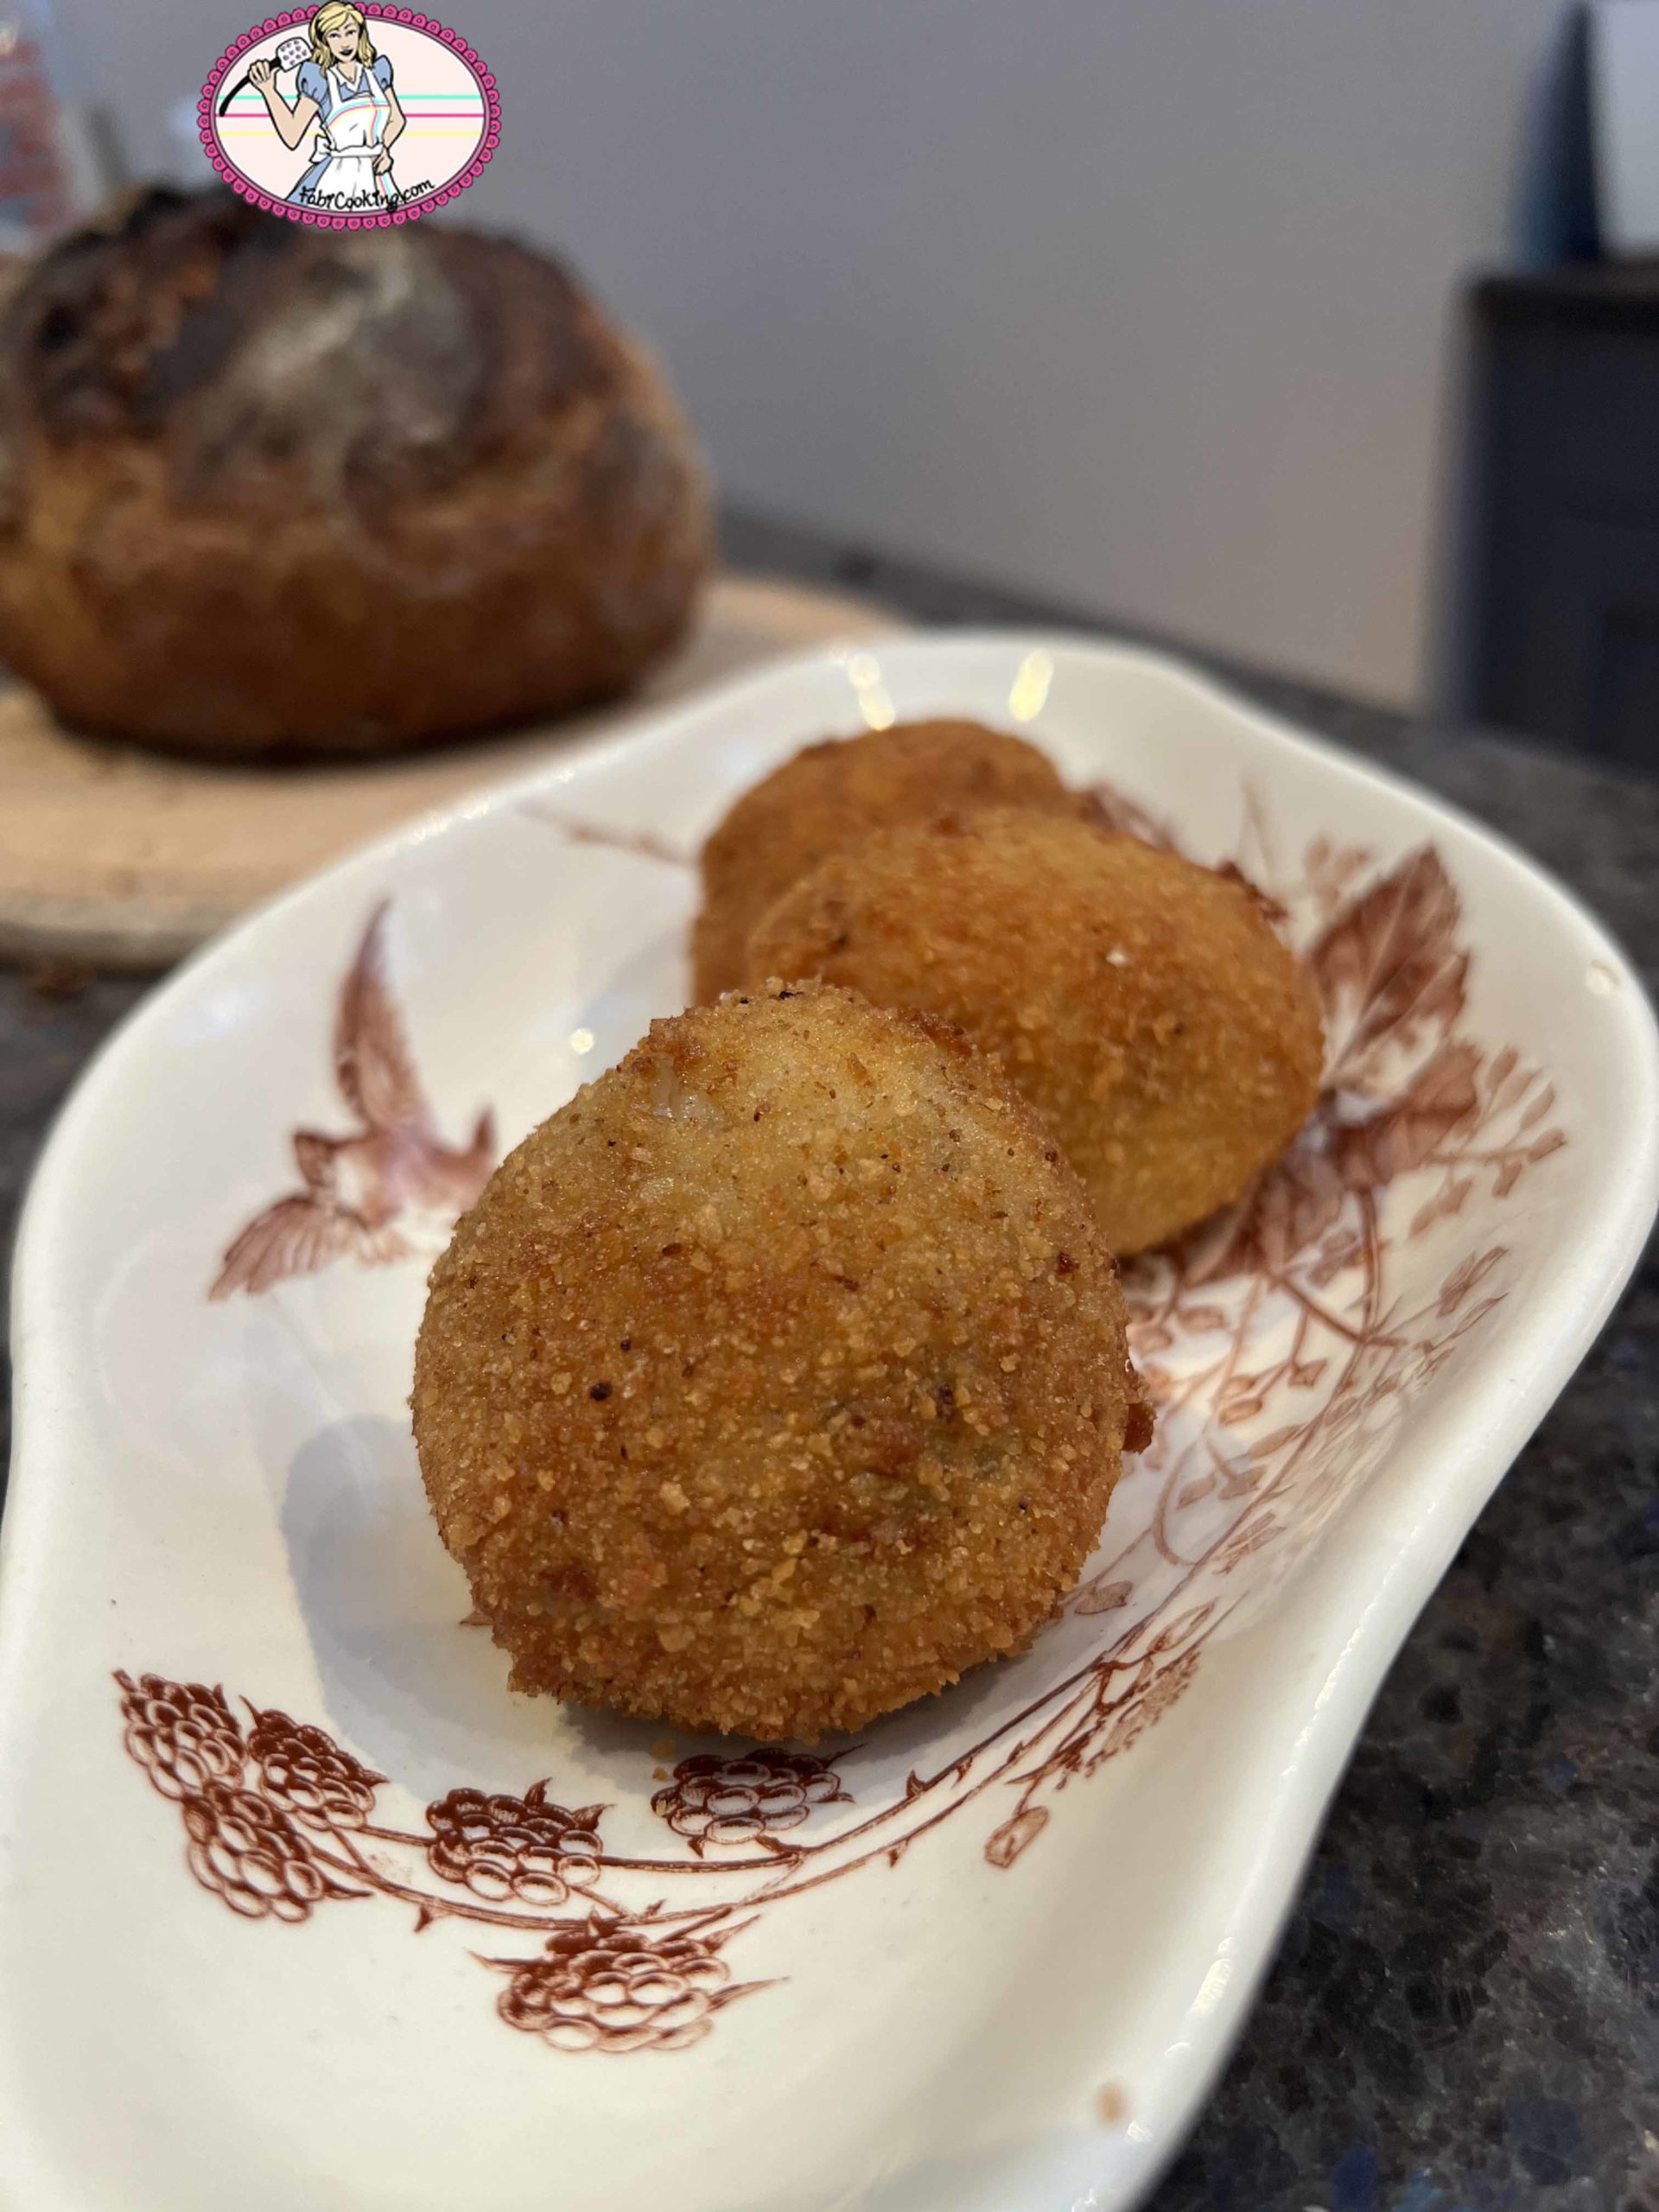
298,1906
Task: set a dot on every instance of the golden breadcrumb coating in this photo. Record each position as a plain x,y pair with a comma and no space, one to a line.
831,795
1142,1004
777,1378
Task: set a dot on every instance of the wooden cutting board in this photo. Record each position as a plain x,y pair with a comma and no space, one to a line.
116,858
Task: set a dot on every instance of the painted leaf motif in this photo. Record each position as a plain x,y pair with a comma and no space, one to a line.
1329,869
1098,1597
1219,1247
1126,817
1239,1545
1185,1628
1236,1411
1148,1336
1239,1478
1290,1209
1389,970
1016,1835
1462,1280
1270,909
1443,1098
1500,1069
373,1064
1295,1205
1449,1200
1265,1447
1335,1256
1202,1320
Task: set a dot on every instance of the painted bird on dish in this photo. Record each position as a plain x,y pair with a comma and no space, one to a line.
363,1193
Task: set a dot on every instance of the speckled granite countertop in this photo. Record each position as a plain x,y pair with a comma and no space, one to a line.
1464,2011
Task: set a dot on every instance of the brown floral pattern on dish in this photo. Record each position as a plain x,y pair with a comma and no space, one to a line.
359,1190
501,1846
641,844
608,1980
240,1841
248,1852
743,1801
305,1771
1115,811
612,1984
1284,1340
183,1734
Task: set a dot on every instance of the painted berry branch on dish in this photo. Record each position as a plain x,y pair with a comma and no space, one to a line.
1284,1350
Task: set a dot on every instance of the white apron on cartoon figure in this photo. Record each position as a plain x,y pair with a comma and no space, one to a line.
349,143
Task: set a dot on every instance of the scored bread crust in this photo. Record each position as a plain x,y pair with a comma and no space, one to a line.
267,490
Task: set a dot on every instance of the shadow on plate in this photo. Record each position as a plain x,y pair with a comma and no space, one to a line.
424,1698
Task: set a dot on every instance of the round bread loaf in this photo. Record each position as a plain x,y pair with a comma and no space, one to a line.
270,489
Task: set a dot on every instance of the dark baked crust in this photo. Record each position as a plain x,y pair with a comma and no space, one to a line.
268,489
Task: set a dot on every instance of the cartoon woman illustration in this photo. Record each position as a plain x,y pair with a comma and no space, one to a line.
345,88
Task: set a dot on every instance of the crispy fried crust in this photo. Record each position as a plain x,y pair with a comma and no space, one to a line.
778,1377
1142,1004
831,795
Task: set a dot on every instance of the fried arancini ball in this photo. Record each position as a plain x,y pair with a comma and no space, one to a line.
831,795
778,1377
1142,1004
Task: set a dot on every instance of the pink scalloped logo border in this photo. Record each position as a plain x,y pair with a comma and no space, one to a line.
408,19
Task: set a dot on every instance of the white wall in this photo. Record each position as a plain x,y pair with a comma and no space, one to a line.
1145,302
